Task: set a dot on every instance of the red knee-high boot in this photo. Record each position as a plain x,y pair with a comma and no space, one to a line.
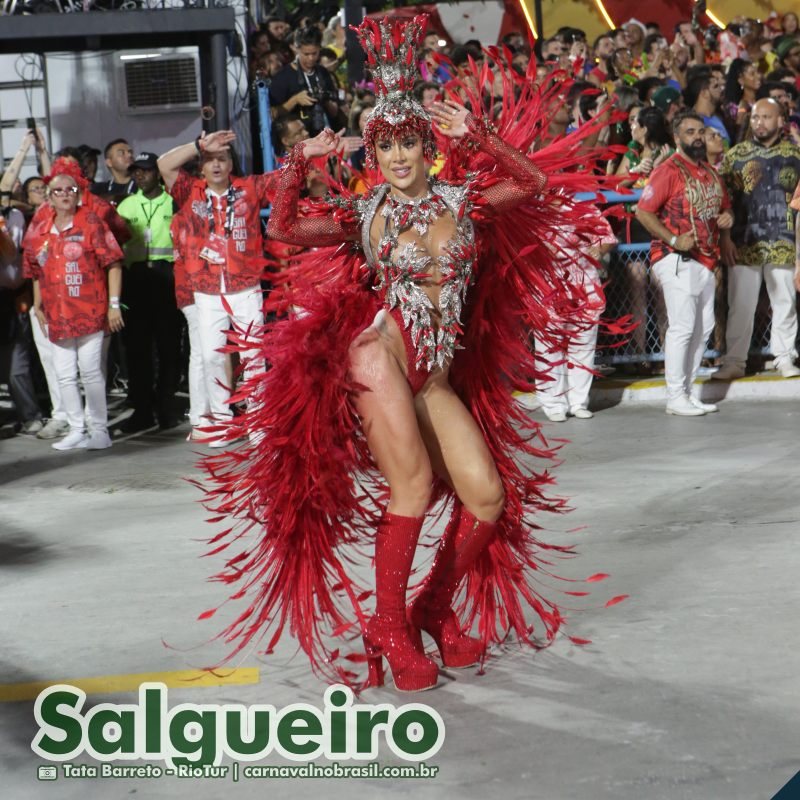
387,634
464,540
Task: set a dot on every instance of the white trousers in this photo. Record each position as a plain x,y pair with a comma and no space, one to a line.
198,396
688,289
569,388
744,284
45,349
84,353
213,322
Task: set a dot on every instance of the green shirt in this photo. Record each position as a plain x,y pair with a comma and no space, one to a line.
143,215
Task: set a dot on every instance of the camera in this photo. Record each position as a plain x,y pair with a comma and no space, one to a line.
320,95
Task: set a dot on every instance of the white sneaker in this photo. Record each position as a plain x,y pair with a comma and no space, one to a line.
98,440
581,413
198,435
728,372
53,429
787,369
32,427
75,440
683,407
555,416
218,444
709,408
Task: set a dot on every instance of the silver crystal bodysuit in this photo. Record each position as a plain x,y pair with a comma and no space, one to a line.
427,289
422,254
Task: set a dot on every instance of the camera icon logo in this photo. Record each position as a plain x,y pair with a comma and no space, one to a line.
48,772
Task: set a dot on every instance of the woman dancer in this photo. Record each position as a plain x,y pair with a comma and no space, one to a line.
379,369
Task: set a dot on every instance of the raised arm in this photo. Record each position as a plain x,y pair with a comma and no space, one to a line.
522,178
284,223
12,173
41,153
171,162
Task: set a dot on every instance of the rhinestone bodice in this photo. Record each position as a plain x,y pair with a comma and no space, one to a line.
405,273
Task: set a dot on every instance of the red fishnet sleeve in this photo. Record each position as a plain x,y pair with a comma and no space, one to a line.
284,223
522,179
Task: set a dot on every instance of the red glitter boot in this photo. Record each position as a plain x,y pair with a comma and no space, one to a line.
387,634
464,539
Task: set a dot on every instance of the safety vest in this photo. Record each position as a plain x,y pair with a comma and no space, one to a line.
148,221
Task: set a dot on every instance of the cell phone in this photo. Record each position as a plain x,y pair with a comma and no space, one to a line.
31,124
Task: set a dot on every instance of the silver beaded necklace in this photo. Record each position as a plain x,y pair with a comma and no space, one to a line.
418,212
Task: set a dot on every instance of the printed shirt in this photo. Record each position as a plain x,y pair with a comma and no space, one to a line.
71,267
761,181
687,198
180,228
245,261
102,208
143,214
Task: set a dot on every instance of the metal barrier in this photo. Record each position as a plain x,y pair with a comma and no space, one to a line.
265,125
265,137
632,289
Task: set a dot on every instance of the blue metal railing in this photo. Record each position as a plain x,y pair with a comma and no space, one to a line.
265,126
265,132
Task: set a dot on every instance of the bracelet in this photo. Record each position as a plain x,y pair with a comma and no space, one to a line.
478,128
113,302
199,145
673,240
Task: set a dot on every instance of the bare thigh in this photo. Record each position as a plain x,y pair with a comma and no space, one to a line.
390,424
458,451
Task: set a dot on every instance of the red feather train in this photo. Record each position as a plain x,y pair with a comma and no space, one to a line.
303,494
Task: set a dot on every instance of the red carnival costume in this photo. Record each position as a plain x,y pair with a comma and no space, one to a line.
308,487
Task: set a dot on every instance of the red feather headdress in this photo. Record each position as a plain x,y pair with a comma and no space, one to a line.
392,49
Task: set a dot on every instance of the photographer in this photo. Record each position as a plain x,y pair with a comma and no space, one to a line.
306,87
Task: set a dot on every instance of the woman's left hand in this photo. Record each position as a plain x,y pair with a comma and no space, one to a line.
450,117
115,322
322,144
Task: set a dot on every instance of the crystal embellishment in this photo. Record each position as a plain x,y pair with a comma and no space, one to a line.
400,271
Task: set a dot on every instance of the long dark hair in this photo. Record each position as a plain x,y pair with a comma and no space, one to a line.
657,132
733,89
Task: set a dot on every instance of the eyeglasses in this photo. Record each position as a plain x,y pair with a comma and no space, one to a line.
59,191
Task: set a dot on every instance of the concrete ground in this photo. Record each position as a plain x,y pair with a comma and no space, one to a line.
689,691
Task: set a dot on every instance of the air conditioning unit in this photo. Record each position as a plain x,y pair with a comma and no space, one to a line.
157,83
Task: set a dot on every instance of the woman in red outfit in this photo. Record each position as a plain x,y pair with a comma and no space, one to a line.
76,266
378,366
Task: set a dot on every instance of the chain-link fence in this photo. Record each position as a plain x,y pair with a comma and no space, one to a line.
632,289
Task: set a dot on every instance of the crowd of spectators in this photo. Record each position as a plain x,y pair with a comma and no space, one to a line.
183,231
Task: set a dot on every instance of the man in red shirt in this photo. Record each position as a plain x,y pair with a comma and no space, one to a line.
684,206
223,257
